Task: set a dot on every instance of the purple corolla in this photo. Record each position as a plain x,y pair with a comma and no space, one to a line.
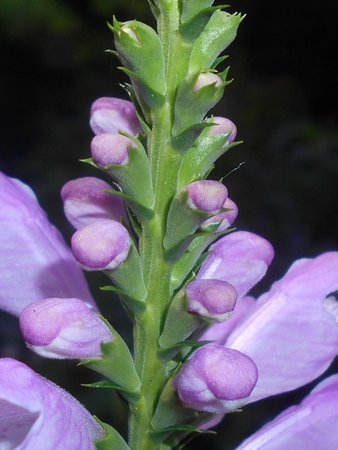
290,333
37,414
41,279
311,425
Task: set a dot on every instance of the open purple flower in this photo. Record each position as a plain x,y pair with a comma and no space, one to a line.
37,414
311,425
37,267
290,332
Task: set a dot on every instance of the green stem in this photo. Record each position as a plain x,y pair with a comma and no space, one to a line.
164,163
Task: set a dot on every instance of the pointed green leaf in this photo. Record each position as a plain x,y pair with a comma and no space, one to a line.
112,441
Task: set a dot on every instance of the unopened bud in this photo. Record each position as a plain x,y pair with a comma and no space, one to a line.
213,299
225,218
224,126
207,79
85,201
107,148
102,245
63,328
109,115
206,195
216,379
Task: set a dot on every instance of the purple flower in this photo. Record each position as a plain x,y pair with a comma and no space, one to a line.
35,261
226,218
311,425
222,126
109,115
85,201
37,266
63,328
37,414
216,379
290,332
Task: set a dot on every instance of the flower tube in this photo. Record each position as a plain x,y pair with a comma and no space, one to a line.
37,414
35,261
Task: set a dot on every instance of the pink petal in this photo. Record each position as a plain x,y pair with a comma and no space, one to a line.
292,333
312,425
35,261
37,414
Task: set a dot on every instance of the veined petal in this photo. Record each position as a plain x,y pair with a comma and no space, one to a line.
240,258
35,262
37,414
63,328
311,425
292,333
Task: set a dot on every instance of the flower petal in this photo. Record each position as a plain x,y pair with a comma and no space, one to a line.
312,425
292,333
37,414
63,328
240,258
35,262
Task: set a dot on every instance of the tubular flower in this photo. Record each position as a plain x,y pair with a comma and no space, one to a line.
37,414
300,307
311,425
35,261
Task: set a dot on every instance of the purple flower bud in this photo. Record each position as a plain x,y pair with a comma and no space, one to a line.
102,245
223,126
240,258
37,414
109,148
109,115
206,195
213,299
226,218
63,328
85,201
207,79
216,379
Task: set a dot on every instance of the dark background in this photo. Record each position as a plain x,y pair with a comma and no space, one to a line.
283,100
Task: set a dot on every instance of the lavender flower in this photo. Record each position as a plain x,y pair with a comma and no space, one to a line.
86,200
110,148
109,115
206,195
63,328
222,126
37,414
207,79
311,425
291,331
226,218
35,261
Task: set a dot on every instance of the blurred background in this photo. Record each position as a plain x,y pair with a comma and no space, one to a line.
283,100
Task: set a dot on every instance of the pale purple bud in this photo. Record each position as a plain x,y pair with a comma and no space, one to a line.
102,245
85,201
216,379
37,414
225,218
224,126
206,195
110,148
63,328
109,115
207,79
214,299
